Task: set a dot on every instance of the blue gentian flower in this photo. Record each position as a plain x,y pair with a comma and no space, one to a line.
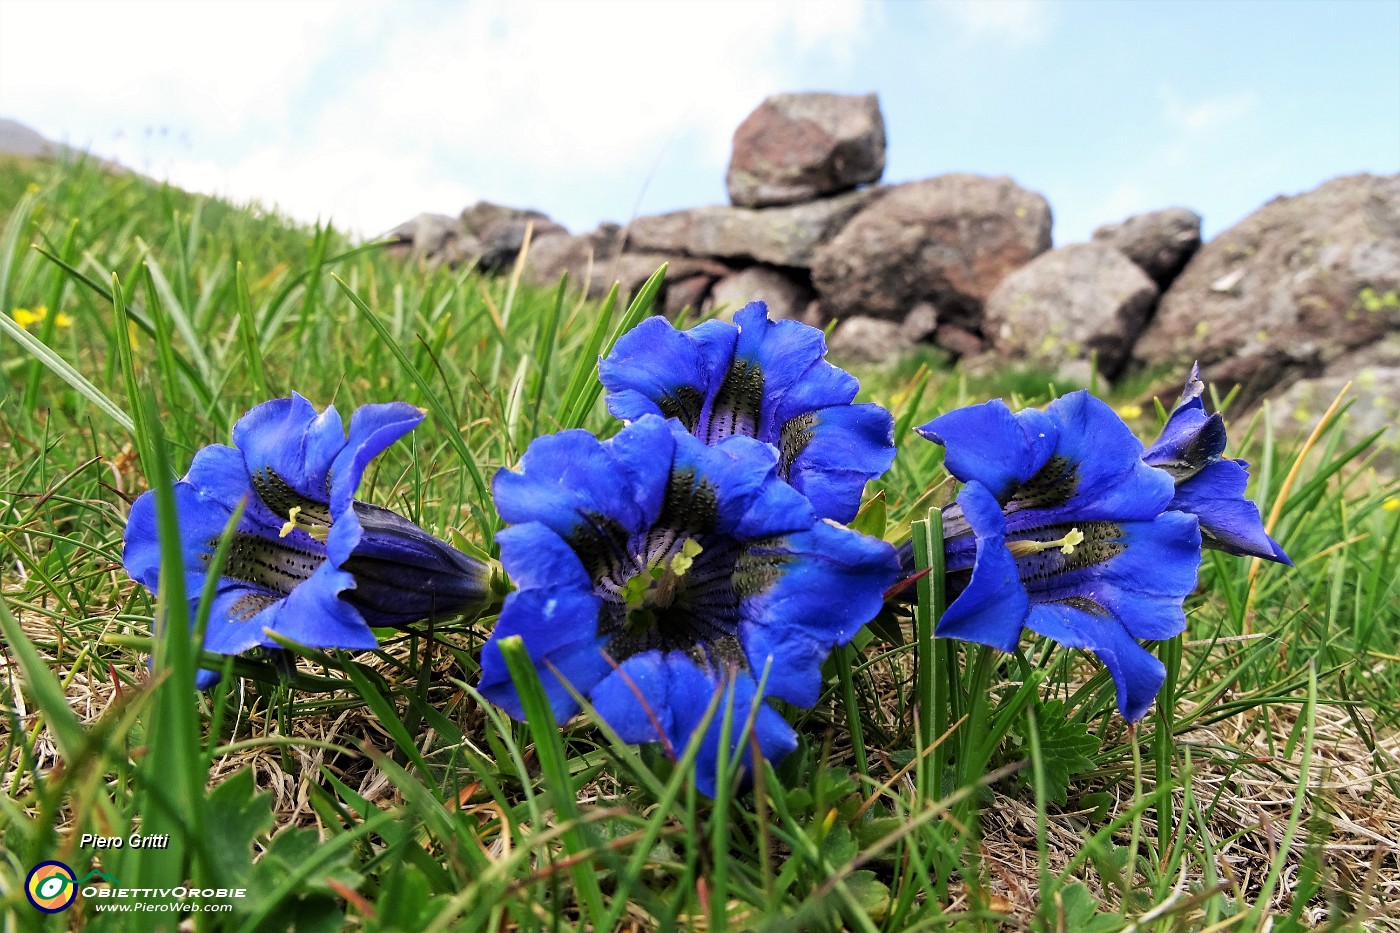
654,570
307,561
763,379
1061,527
1208,485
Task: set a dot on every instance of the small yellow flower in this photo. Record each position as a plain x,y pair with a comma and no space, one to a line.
24,317
1392,504
32,188
1129,412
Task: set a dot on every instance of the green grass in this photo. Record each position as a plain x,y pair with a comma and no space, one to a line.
379,790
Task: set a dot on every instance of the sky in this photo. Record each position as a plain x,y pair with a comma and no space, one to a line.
370,111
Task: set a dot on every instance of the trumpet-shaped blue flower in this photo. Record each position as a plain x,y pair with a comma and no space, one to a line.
306,561
1061,527
763,379
1208,484
655,571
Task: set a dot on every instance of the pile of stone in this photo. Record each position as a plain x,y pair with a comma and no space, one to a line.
1300,296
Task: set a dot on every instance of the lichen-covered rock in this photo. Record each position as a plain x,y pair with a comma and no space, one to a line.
1375,390
1160,242
796,147
501,241
779,236
584,258
861,339
1069,304
785,294
1295,286
425,235
947,240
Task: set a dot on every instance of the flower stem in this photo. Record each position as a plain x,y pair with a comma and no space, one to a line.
932,692
845,669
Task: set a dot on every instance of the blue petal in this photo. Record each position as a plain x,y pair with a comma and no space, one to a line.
230,633
990,445
830,581
850,444
740,474
1229,521
655,369
141,542
1112,482
672,691
1144,585
564,479
373,428
992,609
821,386
1189,440
288,437
404,574
1137,674
559,626
202,512
644,452
315,615
534,555
790,355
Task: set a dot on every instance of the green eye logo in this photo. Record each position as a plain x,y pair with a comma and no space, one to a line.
51,887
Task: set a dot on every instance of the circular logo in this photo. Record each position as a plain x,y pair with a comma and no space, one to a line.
51,887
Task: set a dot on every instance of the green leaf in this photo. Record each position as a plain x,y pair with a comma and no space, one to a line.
1066,747
1076,909
238,814
871,518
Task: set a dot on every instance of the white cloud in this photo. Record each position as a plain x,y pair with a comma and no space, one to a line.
1206,115
1185,161
376,111
211,65
1012,23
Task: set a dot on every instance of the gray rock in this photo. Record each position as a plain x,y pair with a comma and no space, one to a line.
427,234
501,240
1160,242
1068,304
920,324
477,218
958,341
1297,285
947,240
861,339
796,147
583,258
779,236
786,296
690,293
1376,390
594,264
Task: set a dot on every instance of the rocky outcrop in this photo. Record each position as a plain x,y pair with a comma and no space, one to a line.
425,234
779,236
489,235
947,241
787,295
499,232
1160,242
1071,304
797,147
1303,293
1289,291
